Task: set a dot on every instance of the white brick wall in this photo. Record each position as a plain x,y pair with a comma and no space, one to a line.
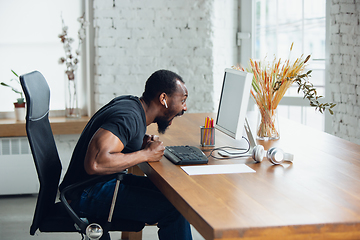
225,51
345,68
194,38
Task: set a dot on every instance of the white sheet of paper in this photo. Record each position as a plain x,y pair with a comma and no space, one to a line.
217,169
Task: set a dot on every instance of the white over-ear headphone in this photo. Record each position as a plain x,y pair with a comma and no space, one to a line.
274,155
165,103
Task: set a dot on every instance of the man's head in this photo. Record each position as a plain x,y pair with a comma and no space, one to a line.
166,90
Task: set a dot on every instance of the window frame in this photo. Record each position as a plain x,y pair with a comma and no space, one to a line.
87,60
247,51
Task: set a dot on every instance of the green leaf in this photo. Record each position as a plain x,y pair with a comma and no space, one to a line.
14,73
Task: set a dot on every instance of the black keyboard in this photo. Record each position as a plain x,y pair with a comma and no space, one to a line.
185,155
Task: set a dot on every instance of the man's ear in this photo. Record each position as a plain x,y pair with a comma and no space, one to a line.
162,99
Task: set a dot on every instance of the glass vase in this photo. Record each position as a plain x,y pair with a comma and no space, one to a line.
72,109
268,124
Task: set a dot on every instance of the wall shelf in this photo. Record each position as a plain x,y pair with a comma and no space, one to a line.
59,125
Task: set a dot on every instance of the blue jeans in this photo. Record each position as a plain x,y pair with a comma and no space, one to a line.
138,199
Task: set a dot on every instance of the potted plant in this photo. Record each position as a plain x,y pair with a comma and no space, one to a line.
71,60
20,103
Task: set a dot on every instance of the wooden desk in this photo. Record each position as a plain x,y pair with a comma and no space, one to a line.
316,197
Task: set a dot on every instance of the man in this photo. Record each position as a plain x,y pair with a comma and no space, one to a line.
114,140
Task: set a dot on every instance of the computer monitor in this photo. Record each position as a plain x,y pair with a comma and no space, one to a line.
233,103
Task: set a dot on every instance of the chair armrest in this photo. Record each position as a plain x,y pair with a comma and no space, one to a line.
80,223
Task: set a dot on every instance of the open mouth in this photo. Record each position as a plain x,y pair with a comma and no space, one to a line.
180,114
177,115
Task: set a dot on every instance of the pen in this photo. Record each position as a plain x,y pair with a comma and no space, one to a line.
205,130
211,137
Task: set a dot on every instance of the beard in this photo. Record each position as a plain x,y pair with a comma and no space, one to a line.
164,122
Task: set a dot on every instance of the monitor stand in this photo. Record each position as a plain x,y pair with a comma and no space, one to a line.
249,134
235,153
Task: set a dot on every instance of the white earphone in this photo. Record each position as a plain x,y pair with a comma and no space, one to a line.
165,103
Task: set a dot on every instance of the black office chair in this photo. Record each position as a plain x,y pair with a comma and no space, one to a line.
52,216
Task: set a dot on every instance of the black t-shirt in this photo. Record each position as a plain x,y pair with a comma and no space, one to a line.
123,116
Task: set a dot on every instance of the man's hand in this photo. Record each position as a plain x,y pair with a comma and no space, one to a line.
156,150
149,138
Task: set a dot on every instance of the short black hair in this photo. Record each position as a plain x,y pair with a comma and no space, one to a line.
161,81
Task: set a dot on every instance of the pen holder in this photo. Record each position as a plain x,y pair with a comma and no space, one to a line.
207,136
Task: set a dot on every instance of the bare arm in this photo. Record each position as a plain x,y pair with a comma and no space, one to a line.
104,155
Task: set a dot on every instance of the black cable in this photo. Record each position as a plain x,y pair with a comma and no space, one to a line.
236,155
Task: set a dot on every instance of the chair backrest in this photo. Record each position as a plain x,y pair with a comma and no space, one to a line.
42,143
